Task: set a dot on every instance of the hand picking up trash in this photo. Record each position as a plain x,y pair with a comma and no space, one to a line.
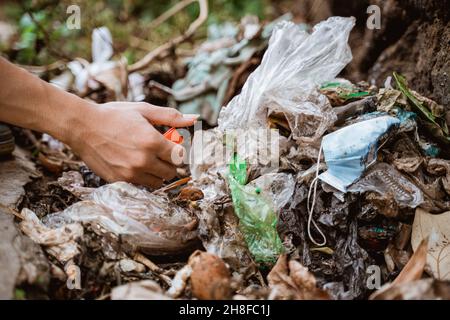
307,183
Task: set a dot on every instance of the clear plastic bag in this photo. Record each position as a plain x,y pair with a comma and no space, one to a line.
385,180
143,220
293,67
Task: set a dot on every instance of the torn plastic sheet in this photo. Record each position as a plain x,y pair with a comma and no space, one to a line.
144,220
349,151
279,187
294,65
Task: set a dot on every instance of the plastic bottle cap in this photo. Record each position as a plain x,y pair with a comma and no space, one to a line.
173,135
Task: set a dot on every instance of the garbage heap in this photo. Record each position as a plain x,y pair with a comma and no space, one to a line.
310,187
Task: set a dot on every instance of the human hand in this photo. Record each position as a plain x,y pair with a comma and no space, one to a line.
119,143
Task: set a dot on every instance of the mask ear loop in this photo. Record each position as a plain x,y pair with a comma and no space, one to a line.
313,190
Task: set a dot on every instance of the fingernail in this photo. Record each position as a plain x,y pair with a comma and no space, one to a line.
191,116
180,151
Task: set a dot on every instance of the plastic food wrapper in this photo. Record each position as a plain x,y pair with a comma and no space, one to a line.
146,221
349,151
385,180
257,218
287,81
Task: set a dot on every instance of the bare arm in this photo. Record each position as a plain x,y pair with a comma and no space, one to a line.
116,140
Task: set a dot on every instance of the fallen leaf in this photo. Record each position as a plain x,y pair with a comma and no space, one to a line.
293,281
437,227
423,289
414,268
140,290
210,278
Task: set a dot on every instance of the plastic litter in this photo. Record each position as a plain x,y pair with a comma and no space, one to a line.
143,220
388,183
257,218
292,68
173,135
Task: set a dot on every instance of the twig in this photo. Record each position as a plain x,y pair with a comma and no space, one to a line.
153,267
42,69
147,59
175,184
11,211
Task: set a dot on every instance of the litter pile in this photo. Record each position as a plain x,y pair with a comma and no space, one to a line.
310,187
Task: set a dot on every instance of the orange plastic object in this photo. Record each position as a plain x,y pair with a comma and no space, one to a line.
173,135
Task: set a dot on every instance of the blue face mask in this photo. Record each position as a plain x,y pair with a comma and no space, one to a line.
348,151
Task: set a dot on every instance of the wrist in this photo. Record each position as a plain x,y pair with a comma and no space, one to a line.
71,123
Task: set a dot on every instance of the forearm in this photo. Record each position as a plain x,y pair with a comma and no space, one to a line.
29,102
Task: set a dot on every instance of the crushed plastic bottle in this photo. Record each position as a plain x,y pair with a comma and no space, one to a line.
257,218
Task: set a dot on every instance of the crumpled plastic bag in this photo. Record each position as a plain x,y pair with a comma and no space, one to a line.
348,151
394,190
145,221
287,80
279,187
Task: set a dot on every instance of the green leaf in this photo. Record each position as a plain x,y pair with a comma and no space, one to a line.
403,87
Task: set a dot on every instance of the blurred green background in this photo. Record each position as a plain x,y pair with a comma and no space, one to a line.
41,35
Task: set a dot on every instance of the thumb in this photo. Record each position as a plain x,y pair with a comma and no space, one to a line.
168,116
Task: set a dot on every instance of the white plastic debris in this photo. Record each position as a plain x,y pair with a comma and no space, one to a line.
294,64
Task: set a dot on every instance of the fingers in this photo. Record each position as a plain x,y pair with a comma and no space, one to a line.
167,116
171,152
148,180
162,169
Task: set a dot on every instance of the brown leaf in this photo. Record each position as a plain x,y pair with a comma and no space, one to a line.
210,278
414,268
423,289
52,165
293,281
437,228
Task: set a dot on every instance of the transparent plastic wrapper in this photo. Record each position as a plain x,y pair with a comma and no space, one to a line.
350,150
385,180
212,150
146,221
257,218
279,187
287,80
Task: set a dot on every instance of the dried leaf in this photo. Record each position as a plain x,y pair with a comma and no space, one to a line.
437,227
423,289
293,281
414,268
210,278
141,290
